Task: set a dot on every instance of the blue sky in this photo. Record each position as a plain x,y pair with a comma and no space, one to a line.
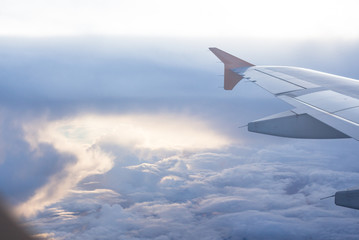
114,124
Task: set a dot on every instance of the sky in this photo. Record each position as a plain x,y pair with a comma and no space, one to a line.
115,125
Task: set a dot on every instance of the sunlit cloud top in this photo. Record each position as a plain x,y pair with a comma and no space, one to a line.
84,137
162,131
278,19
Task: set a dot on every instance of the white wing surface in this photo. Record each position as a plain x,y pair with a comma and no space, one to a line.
324,106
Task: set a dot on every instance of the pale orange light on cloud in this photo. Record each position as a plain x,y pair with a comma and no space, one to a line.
83,136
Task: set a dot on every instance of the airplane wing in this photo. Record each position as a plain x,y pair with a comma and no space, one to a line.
325,106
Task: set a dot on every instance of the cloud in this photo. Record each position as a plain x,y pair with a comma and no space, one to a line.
193,195
83,136
22,171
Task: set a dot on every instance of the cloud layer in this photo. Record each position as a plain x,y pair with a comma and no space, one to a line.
209,195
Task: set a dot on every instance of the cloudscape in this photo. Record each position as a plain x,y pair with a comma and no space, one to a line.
144,148
117,128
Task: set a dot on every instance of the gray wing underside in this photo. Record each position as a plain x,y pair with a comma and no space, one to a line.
324,106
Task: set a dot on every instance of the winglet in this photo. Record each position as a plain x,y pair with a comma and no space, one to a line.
230,62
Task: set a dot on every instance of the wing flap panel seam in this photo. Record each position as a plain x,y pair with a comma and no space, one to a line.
289,78
323,111
280,78
329,101
269,83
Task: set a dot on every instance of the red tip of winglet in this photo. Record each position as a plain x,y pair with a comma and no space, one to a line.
230,62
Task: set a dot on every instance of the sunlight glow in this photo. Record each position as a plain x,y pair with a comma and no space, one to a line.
84,136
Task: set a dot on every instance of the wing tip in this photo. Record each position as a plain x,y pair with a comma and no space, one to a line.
230,62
